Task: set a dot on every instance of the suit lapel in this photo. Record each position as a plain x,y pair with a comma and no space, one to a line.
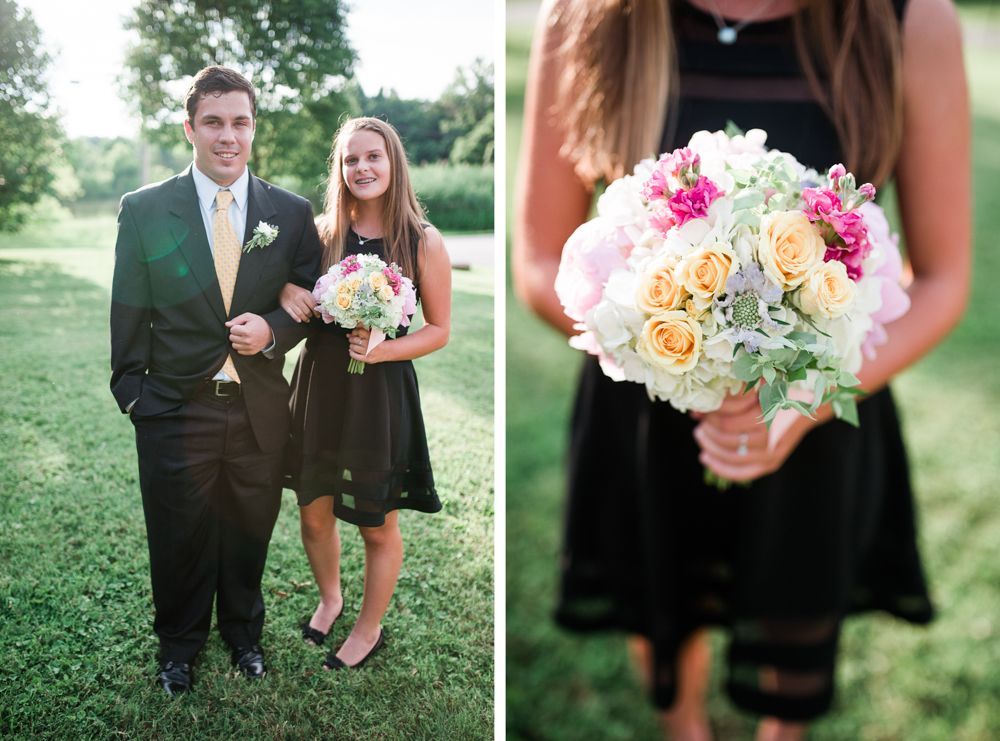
189,232
259,208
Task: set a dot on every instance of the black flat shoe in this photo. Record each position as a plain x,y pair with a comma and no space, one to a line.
311,634
250,661
334,664
175,678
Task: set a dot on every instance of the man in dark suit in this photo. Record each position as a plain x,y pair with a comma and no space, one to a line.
197,348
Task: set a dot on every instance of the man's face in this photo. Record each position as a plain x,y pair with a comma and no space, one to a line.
222,134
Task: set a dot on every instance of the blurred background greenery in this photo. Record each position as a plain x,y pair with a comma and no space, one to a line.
895,681
298,56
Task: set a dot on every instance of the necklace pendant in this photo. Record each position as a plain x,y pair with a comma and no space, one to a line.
727,35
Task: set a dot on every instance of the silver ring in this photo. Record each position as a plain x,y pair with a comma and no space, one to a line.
741,451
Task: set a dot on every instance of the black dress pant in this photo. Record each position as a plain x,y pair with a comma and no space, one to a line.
210,498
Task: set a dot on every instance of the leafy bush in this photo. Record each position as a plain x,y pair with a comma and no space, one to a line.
456,197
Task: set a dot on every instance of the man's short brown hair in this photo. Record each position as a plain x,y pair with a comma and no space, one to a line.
216,80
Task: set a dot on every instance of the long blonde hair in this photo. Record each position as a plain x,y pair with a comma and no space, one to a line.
402,215
620,77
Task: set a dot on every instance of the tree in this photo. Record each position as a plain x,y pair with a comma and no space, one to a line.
417,121
466,103
293,51
29,132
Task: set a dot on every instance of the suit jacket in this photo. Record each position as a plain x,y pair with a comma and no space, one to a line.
168,330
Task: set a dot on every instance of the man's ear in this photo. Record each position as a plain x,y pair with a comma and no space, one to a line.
189,131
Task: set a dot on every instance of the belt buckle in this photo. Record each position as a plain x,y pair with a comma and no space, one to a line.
218,391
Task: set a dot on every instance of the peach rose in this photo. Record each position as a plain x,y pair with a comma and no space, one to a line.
343,288
789,246
355,284
704,273
658,290
385,292
828,291
344,301
671,341
376,281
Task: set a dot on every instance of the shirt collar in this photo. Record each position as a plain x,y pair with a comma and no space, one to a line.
207,188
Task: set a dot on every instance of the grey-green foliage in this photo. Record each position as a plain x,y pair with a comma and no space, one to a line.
295,52
29,132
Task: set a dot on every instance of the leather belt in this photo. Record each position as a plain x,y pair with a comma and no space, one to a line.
223,388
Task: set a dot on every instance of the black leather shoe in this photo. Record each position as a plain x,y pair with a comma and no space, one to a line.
335,664
250,661
175,678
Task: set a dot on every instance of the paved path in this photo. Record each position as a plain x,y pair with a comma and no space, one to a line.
471,249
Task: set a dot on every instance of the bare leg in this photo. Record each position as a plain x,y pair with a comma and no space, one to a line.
687,719
322,543
383,559
772,729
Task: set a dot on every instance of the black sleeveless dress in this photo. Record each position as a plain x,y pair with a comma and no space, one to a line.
650,549
357,437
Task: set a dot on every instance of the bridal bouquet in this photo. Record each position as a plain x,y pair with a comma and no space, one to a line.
362,289
726,266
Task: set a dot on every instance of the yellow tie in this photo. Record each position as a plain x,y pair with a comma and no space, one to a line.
227,259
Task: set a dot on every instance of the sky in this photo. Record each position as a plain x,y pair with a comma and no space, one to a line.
414,47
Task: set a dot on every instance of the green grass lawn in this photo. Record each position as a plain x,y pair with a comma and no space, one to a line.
896,682
77,651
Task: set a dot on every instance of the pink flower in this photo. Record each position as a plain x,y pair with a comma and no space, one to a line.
656,187
895,301
663,218
693,204
836,173
844,232
679,164
393,278
820,202
595,249
679,160
409,300
325,283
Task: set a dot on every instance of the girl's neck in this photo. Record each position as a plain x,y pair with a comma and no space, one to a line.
368,219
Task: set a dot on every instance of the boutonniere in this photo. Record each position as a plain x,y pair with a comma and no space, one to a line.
263,235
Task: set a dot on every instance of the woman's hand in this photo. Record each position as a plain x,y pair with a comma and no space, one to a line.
737,446
298,302
358,341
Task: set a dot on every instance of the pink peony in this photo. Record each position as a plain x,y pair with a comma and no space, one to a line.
409,301
895,301
325,283
595,249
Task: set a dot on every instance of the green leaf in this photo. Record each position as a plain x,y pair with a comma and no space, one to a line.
747,199
747,368
797,374
749,218
845,379
848,410
732,129
804,337
769,375
741,176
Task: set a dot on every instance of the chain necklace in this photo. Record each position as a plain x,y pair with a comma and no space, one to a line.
727,34
366,239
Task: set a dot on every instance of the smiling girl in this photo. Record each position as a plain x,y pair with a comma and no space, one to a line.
358,450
